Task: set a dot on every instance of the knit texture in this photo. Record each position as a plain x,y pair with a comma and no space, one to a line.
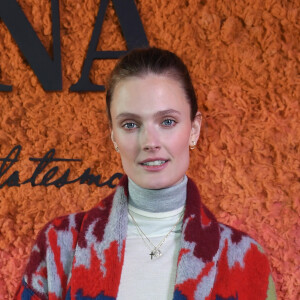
160,200
80,256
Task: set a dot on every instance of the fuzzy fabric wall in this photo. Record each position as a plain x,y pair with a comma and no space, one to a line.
244,61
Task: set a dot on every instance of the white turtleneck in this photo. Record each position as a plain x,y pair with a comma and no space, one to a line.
156,212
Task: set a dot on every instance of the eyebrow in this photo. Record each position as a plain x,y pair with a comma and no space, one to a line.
161,113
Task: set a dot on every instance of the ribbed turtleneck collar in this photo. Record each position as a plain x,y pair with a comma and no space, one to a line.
161,200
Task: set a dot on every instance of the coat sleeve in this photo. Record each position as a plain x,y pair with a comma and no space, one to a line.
243,269
51,259
34,281
24,292
271,294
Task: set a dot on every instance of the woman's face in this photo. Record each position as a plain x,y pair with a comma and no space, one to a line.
152,128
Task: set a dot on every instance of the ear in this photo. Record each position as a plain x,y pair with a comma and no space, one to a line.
112,136
196,128
113,140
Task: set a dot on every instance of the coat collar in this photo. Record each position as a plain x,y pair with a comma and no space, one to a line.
199,252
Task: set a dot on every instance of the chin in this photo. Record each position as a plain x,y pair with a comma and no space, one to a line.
157,183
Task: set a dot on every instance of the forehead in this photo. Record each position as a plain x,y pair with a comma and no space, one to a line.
148,94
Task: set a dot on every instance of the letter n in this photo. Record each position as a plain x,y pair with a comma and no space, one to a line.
47,70
133,32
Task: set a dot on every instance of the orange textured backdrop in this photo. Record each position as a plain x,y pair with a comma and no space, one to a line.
244,60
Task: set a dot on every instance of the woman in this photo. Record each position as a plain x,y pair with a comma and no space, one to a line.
152,238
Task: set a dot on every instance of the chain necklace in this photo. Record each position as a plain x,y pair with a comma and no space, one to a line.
154,250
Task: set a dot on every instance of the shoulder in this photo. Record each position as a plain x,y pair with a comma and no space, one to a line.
53,251
239,247
65,230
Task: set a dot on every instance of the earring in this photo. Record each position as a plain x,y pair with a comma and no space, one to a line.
116,146
193,145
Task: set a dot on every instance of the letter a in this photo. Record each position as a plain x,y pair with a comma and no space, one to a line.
133,32
47,70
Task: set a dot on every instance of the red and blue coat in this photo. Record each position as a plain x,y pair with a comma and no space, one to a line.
80,256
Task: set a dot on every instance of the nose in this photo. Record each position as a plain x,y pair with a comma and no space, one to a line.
150,140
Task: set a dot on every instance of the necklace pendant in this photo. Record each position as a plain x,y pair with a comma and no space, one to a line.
155,253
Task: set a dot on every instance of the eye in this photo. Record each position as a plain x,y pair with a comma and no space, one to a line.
169,122
129,125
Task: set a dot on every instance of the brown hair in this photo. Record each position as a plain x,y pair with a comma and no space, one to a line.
140,62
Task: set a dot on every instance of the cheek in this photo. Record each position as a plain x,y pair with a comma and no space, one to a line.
181,141
180,147
127,148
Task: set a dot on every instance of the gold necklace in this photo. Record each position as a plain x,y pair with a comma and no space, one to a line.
154,250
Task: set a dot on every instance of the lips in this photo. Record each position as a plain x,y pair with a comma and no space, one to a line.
154,164
153,161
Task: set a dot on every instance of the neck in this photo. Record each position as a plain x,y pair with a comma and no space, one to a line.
161,200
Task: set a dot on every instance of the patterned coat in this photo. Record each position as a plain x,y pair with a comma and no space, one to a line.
80,256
